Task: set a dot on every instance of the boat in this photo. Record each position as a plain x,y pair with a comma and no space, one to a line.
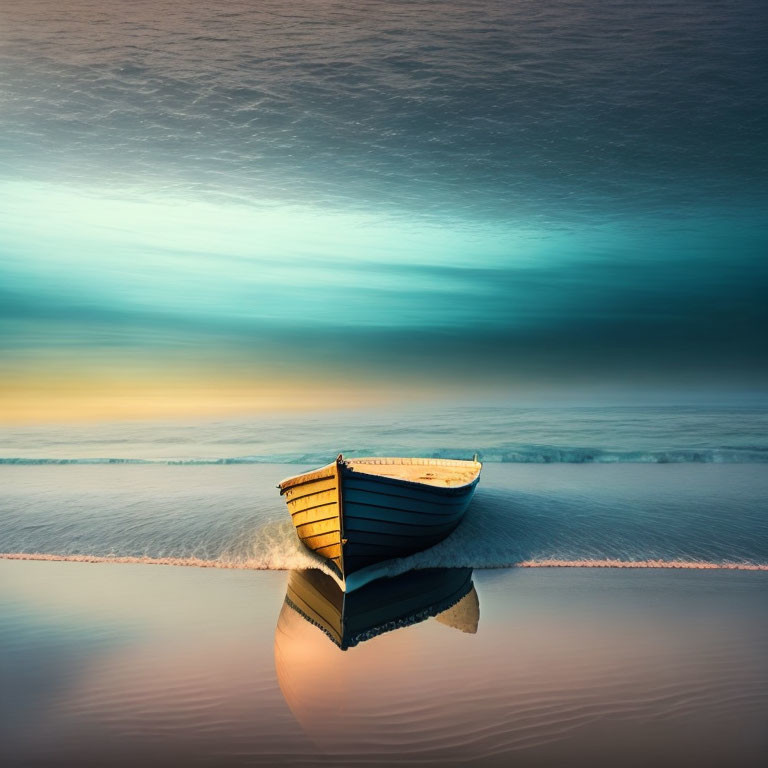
349,618
359,513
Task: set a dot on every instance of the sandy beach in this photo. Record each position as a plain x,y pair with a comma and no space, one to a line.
121,664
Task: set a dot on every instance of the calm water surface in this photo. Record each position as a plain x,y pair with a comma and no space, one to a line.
117,664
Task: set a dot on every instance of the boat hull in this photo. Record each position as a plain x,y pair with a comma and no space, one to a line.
386,518
314,502
357,516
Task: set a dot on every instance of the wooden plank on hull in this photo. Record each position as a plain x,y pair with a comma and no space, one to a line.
373,547
398,527
406,516
356,533
319,513
318,527
312,500
398,494
322,539
329,551
310,487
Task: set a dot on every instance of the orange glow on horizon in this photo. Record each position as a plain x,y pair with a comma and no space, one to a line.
35,397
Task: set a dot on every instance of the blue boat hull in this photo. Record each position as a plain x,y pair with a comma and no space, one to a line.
385,518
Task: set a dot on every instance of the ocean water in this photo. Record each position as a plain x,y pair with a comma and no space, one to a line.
570,486
504,434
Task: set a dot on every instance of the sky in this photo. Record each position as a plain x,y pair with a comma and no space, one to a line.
244,207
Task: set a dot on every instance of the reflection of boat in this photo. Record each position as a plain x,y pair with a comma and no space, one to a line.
360,512
349,704
352,617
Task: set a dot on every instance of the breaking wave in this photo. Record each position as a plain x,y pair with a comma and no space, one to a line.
528,454
531,533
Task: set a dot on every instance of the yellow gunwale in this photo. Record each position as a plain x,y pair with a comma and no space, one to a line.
328,472
409,471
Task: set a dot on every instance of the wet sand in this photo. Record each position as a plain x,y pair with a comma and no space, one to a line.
110,664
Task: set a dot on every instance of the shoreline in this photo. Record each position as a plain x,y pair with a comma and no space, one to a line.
194,562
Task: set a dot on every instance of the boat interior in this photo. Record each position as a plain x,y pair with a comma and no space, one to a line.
439,472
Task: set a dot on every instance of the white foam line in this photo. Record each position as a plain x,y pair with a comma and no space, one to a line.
196,562
679,564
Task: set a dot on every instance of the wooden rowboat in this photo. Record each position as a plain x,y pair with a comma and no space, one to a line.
359,513
384,605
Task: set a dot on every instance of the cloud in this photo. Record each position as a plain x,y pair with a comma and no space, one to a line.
152,283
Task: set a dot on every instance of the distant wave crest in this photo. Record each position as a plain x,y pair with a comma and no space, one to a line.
531,454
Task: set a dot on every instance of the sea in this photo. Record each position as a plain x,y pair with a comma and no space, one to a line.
641,486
